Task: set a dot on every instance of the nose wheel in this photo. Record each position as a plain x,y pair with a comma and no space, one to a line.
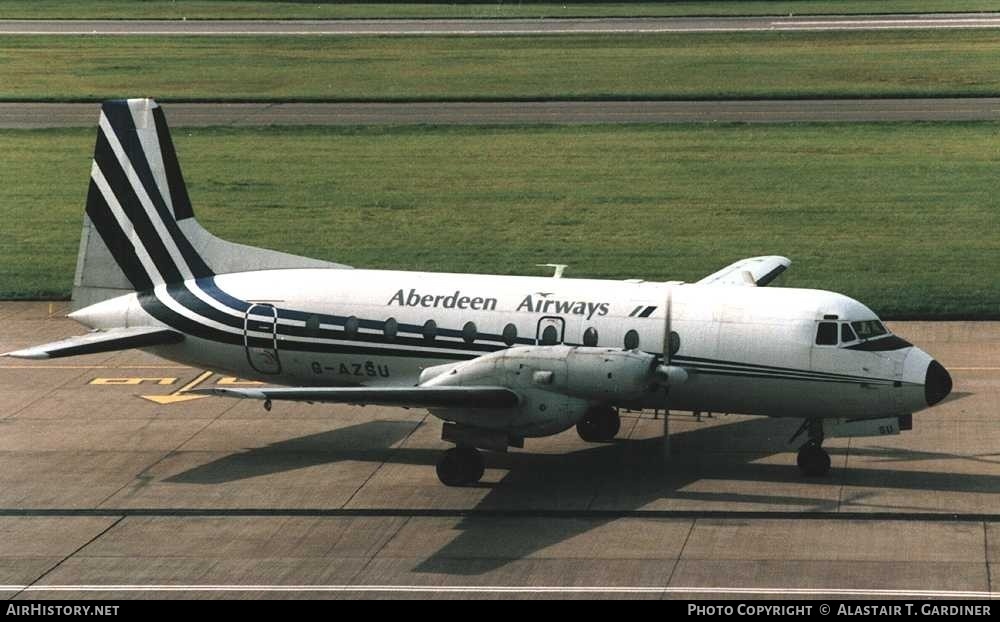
813,459
461,466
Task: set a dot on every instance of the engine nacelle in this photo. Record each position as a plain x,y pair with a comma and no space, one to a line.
557,384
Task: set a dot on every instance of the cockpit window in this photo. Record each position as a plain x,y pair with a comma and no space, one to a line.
826,334
869,329
846,334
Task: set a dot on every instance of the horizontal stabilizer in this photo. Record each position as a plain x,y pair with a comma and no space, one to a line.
414,397
752,271
101,341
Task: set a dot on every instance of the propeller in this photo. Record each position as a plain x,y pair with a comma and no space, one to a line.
667,373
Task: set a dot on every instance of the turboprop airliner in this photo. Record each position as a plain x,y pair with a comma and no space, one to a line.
498,358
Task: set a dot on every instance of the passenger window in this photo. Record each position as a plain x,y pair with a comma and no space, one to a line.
312,325
826,334
590,337
550,336
631,340
469,332
351,327
389,329
430,330
846,334
509,334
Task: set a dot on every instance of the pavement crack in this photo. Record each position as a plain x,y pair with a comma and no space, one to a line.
63,560
680,554
986,556
403,523
382,463
141,475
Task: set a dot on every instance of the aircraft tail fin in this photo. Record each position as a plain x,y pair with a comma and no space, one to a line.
139,230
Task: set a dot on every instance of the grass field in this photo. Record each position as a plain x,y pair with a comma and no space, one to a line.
229,9
902,216
739,65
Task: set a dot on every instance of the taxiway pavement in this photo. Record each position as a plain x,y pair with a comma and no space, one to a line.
106,493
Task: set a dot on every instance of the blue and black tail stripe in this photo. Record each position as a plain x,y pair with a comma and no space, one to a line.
175,180
122,123
133,210
119,245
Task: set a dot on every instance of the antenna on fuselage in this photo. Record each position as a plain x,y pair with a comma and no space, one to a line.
558,268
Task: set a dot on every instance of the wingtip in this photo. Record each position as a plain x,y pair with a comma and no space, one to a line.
218,392
33,354
205,392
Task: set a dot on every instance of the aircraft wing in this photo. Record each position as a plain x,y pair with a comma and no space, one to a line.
413,397
101,341
753,271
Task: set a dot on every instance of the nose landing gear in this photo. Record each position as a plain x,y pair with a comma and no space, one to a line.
812,458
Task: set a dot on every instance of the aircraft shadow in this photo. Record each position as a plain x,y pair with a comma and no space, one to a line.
624,475
371,441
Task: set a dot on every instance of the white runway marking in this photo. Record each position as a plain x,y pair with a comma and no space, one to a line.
874,22
509,589
493,27
485,33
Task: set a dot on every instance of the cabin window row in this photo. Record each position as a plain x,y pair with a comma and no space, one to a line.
429,331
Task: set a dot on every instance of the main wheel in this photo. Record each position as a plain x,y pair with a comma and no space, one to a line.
599,425
813,460
460,466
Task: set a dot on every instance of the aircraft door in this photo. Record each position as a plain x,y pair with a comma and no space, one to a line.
260,337
551,331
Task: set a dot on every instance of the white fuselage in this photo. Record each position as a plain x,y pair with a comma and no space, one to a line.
746,349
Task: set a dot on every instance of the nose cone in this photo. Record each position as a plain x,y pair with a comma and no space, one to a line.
937,384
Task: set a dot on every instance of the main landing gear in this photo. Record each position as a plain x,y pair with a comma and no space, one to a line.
461,466
813,459
599,425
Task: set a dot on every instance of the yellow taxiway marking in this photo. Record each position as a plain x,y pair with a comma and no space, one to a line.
163,381
180,395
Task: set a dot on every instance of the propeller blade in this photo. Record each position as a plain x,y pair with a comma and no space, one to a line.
665,370
666,329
